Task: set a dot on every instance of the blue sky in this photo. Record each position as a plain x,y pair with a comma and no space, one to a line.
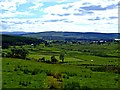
59,15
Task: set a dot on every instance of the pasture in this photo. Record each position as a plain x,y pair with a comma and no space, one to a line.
85,66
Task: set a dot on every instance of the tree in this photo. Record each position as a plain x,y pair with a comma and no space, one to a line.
46,43
62,57
19,53
5,45
53,59
42,59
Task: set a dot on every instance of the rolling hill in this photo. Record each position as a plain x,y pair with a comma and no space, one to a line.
68,36
72,35
16,33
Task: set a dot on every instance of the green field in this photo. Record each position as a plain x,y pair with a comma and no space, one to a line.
85,66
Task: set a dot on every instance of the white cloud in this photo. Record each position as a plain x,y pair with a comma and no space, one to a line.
37,25
11,5
101,25
14,14
81,23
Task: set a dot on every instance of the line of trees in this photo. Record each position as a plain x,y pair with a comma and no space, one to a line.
16,53
22,54
8,40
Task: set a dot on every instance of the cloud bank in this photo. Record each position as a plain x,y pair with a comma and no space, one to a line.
59,15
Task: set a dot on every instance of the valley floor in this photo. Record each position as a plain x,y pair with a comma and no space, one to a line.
84,67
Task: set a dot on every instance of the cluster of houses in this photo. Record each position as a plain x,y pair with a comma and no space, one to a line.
81,41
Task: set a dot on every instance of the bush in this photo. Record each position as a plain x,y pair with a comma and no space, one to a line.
85,88
65,76
36,71
24,83
8,54
26,71
61,57
53,59
28,59
41,59
48,61
72,86
57,75
3,54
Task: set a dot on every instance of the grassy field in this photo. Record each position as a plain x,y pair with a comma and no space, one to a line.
85,66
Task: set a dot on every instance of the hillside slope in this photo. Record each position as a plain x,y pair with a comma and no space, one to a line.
72,35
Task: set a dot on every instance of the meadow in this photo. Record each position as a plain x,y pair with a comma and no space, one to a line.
85,66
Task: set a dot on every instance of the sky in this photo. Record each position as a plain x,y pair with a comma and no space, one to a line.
59,15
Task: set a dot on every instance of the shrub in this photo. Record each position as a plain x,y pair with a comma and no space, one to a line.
72,86
26,71
24,83
3,54
36,71
61,57
85,88
28,59
53,59
41,59
65,76
8,54
57,75
48,61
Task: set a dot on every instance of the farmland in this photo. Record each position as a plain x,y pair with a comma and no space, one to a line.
85,66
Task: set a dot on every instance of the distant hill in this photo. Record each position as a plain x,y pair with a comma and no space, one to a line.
8,40
68,36
51,35
17,33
